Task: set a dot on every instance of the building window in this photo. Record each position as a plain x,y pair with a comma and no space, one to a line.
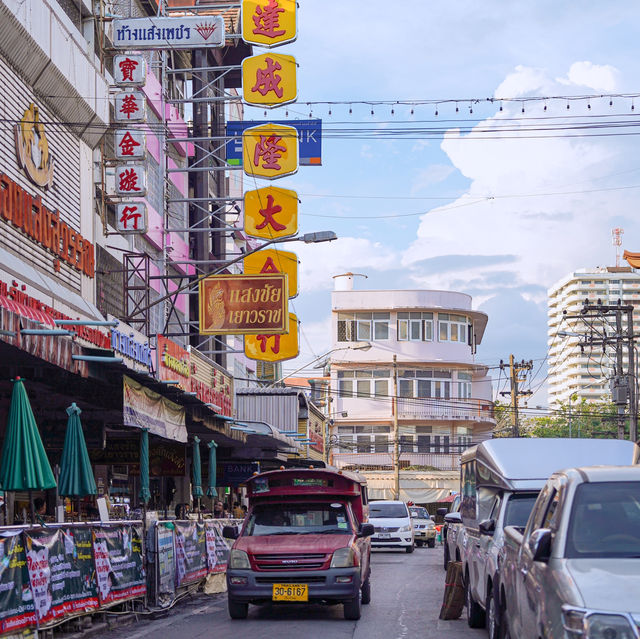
381,444
364,444
381,387
406,388
464,385
363,327
406,444
415,327
424,443
368,383
345,388
417,383
381,326
363,388
453,328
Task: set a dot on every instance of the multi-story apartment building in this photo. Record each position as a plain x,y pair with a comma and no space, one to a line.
440,395
576,374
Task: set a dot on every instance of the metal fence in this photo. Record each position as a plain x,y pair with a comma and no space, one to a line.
384,461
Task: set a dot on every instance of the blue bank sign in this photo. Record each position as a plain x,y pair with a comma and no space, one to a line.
309,136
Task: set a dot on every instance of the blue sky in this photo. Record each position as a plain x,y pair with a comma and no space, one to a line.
501,219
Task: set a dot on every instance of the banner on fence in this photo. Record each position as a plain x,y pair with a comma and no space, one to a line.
16,601
118,560
191,552
60,566
217,549
166,564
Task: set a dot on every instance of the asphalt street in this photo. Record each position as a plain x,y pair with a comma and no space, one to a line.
407,592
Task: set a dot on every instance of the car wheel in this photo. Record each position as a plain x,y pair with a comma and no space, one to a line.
409,549
237,610
431,543
447,558
419,544
352,609
366,591
492,617
475,613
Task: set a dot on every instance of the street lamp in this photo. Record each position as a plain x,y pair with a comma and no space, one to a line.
307,238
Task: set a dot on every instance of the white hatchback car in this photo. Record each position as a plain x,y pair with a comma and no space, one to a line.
392,524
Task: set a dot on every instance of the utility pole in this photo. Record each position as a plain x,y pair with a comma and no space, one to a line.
396,437
515,368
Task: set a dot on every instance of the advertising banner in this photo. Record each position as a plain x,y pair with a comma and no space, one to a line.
211,384
60,566
191,552
118,561
217,549
173,363
166,563
168,33
17,610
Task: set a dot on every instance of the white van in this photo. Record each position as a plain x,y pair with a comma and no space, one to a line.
392,523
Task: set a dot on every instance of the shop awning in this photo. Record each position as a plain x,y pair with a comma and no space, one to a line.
26,311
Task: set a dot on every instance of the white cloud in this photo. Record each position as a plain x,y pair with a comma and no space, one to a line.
433,174
593,76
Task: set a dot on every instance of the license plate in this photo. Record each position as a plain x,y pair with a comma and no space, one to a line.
290,592
384,535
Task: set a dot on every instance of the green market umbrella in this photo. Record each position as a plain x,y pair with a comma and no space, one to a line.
211,490
24,465
145,493
197,469
76,477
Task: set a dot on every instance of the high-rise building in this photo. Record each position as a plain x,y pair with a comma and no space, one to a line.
576,373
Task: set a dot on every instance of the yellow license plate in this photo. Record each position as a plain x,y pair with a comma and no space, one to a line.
290,592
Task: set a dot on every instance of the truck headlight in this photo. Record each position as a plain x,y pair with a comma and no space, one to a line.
404,529
239,560
344,558
596,625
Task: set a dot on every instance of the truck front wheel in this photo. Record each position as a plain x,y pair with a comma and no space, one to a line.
237,610
352,608
366,591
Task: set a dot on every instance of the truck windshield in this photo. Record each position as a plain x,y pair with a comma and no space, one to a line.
298,519
387,511
605,521
519,508
419,512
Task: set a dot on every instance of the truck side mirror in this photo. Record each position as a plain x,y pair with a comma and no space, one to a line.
442,511
487,527
540,544
230,532
453,518
366,530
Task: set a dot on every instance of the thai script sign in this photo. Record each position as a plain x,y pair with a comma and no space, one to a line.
131,217
17,610
243,304
274,261
217,548
168,33
269,80
118,563
274,348
309,140
130,106
211,384
271,213
32,148
45,227
131,344
129,70
270,151
191,552
269,23
143,408
166,563
173,363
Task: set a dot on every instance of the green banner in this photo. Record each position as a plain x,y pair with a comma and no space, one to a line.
16,601
191,552
118,560
60,567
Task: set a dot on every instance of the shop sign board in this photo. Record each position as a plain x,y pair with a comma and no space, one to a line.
269,23
274,348
32,148
211,384
131,345
130,144
17,610
269,80
274,261
244,304
131,217
270,151
131,180
309,139
173,363
271,213
188,32
191,552
129,70
232,474
130,106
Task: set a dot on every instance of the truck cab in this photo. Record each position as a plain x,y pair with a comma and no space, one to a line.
305,539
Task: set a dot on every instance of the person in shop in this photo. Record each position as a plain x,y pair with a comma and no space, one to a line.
218,510
40,508
238,513
182,511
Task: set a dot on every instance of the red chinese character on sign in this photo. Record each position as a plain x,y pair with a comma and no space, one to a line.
267,20
129,180
127,67
130,214
270,151
267,79
129,105
269,266
127,144
264,340
268,215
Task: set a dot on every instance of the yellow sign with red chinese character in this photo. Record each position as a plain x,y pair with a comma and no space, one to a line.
270,151
269,80
274,348
269,23
271,212
273,261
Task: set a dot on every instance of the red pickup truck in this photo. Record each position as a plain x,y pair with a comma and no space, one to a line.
305,539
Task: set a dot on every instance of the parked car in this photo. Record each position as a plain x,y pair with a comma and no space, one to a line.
305,539
451,531
424,528
392,525
581,548
501,479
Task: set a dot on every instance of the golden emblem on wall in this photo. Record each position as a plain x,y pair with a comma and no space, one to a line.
32,148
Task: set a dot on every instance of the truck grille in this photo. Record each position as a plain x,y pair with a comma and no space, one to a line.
298,561
384,530
290,580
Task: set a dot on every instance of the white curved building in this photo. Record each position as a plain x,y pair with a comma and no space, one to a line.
444,397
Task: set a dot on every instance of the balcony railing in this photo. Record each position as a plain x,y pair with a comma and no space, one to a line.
408,461
480,410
